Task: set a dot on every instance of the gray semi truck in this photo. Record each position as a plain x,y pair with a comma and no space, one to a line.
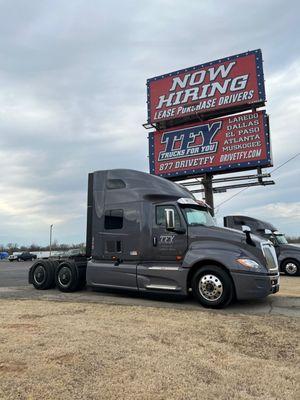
288,255
151,235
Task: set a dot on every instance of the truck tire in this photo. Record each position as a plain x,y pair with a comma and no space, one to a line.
68,277
42,275
212,287
55,263
291,267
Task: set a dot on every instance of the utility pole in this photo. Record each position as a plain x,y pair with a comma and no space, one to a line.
208,191
50,245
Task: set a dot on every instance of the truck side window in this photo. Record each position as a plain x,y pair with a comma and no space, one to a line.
115,184
113,219
160,216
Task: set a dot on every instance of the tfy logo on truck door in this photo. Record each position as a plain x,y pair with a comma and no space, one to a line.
232,83
230,143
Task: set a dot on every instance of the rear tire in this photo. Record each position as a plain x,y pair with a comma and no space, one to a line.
291,268
212,287
68,277
43,275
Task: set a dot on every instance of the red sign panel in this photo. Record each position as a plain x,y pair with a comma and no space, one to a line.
226,144
233,83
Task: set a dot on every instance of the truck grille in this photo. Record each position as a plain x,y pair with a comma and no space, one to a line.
270,256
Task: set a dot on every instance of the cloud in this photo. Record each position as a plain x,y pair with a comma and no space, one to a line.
283,214
282,210
73,97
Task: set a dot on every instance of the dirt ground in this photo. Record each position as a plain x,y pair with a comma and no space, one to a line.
51,350
289,286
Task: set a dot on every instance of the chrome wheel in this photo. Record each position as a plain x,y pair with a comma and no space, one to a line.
210,287
39,275
291,268
64,277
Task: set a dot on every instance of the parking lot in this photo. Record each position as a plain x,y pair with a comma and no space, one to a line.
105,345
14,285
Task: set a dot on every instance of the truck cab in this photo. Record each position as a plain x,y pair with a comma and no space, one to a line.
288,255
148,234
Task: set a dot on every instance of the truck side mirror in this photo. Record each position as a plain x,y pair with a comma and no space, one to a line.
273,240
268,232
170,219
246,228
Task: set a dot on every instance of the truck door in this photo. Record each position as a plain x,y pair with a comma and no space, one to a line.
161,269
167,245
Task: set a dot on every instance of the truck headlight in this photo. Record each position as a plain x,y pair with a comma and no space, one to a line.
248,263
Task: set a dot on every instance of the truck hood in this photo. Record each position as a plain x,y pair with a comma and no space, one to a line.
225,239
220,234
290,247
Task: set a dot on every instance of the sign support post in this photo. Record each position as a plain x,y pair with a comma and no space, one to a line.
208,191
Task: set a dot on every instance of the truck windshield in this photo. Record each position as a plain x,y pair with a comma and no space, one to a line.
196,216
281,239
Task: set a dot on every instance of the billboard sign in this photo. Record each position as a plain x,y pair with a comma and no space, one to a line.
227,144
233,84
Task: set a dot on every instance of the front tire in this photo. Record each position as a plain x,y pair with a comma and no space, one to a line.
291,268
212,287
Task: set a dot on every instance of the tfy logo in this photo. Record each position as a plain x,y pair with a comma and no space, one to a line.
196,140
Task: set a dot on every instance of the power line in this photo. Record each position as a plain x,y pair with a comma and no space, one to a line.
236,194
290,159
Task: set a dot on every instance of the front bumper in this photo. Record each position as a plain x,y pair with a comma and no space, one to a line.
255,286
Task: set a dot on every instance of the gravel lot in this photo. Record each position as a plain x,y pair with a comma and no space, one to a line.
61,350
90,345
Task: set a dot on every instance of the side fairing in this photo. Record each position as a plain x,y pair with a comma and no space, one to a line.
124,242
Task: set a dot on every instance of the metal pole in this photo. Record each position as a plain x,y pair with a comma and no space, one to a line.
231,179
208,191
259,173
51,227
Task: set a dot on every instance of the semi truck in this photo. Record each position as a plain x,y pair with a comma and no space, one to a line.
288,255
151,235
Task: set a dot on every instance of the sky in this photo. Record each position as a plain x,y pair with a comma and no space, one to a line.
73,100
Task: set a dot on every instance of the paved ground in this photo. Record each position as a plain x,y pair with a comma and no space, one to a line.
13,285
14,273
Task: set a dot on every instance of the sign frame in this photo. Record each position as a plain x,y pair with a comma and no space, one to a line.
234,166
210,113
